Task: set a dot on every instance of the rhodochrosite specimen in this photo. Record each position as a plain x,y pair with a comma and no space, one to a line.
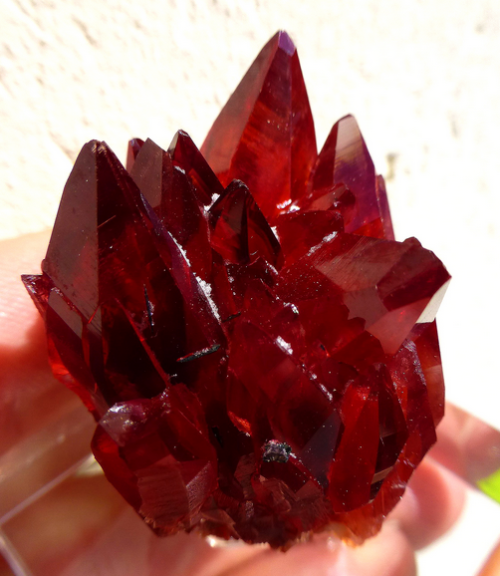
258,351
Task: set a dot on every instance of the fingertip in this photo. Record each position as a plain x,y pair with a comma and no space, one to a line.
318,557
30,398
467,445
433,502
390,553
18,256
387,554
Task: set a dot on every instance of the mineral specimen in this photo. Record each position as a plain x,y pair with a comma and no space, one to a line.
259,353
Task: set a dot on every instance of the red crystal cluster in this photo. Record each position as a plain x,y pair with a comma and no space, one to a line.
258,351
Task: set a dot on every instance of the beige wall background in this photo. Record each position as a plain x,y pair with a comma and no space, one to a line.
421,76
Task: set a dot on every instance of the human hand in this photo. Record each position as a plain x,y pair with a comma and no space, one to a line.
82,526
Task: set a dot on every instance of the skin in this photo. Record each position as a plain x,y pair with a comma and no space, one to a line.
492,566
83,526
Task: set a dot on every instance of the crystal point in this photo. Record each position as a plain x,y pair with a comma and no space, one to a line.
133,149
344,159
265,134
184,154
240,233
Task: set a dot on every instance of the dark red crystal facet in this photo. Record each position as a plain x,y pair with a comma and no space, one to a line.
260,354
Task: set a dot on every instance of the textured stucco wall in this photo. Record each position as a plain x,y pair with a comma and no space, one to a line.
422,77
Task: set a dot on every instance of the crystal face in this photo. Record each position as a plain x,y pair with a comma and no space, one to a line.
259,353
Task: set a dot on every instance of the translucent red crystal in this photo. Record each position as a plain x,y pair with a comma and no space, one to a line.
259,353
265,135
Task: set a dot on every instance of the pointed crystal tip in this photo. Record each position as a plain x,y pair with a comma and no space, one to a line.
286,43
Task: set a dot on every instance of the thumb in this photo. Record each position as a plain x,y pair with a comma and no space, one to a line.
44,430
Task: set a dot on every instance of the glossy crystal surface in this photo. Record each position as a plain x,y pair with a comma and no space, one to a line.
259,353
